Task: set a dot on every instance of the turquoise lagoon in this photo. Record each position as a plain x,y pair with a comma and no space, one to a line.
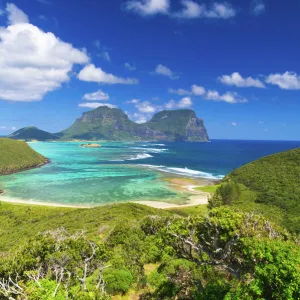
120,172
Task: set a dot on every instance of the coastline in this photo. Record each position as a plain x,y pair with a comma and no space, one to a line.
196,198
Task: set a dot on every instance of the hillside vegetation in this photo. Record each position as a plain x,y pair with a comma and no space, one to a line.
17,156
130,251
32,133
270,185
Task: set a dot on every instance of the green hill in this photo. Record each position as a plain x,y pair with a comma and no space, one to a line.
17,156
270,184
179,125
113,124
32,133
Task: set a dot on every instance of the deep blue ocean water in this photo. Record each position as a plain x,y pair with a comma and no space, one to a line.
119,172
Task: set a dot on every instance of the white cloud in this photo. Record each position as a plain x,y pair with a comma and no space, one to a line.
198,90
180,92
194,10
286,81
93,74
165,71
133,101
95,105
145,107
130,67
234,124
15,15
185,102
99,95
190,9
148,7
140,118
261,122
257,7
33,62
229,97
237,80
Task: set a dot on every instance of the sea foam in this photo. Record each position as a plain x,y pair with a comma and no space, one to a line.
185,171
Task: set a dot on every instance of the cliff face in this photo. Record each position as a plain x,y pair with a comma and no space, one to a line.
113,124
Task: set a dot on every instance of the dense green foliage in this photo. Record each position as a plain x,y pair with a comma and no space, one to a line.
203,256
32,133
17,156
104,123
270,184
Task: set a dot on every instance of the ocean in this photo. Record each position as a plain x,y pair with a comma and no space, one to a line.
120,171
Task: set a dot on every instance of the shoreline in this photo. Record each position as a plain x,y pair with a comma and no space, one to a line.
47,161
196,198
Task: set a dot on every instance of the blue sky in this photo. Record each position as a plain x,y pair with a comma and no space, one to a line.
236,63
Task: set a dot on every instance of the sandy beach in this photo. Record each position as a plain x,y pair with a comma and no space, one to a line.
184,184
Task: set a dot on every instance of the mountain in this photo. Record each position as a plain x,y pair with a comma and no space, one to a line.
32,133
113,124
179,125
269,185
17,156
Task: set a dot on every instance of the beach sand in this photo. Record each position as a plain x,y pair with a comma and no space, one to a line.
183,184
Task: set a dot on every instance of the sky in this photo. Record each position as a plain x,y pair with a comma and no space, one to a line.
236,63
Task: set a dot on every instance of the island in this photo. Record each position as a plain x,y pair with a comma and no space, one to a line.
90,145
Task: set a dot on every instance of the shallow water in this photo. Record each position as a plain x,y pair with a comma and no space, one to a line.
120,172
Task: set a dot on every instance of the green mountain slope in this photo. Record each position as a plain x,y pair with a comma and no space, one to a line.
179,125
32,133
17,156
113,124
271,184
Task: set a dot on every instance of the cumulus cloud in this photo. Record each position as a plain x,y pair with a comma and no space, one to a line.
237,80
94,105
15,15
93,74
185,102
234,124
130,67
198,90
193,10
286,81
99,95
33,62
165,71
229,97
148,7
145,107
257,7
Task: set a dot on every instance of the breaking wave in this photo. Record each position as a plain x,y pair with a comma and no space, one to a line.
185,171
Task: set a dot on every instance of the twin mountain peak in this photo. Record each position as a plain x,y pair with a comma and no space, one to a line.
104,123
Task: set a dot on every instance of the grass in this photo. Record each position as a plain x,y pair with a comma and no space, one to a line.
208,188
17,156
